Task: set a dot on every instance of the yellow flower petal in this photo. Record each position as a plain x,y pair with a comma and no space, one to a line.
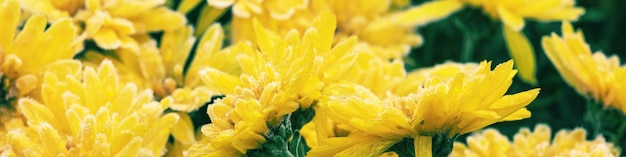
221,3
25,84
510,20
207,16
353,145
22,146
220,81
428,12
10,13
523,54
326,24
49,135
134,8
183,131
49,8
423,146
132,148
187,5
518,115
161,18
107,39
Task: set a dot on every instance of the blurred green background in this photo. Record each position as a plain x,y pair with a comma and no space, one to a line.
471,36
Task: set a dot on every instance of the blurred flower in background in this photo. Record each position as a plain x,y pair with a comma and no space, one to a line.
512,14
535,143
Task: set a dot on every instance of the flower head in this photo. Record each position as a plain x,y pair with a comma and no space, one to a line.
89,112
592,74
446,106
280,76
538,143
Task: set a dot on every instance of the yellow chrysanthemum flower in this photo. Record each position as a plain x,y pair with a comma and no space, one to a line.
25,53
367,19
444,106
593,75
91,113
162,69
280,76
513,13
538,143
110,23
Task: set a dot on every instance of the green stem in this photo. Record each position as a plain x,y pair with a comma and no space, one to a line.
468,41
593,119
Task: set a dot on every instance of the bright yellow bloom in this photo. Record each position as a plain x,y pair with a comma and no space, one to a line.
280,76
111,23
593,75
25,53
91,113
538,143
513,13
367,19
162,69
468,101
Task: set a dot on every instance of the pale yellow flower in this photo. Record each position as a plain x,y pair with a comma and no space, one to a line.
537,143
444,106
513,13
110,23
593,75
89,112
27,51
279,76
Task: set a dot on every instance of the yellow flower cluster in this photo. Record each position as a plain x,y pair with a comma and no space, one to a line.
303,77
538,143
